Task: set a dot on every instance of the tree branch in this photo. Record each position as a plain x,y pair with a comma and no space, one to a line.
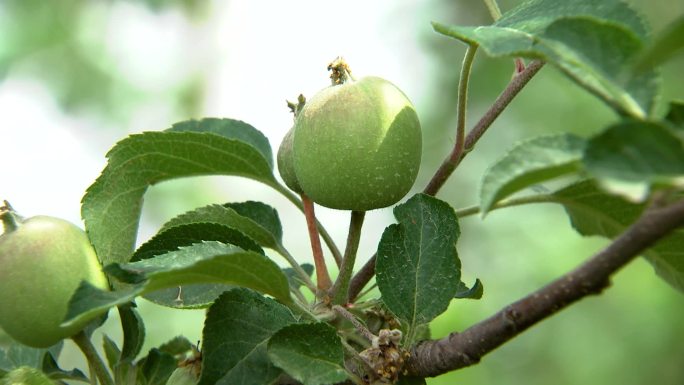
458,350
511,91
457,154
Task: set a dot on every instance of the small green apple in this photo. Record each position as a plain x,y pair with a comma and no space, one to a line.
183,375
42,262
357,145
286,163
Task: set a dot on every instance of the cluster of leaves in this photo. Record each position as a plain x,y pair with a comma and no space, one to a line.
604,48
198,255
32,366
261,323
21,363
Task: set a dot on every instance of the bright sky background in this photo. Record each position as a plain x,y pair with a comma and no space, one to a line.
252,59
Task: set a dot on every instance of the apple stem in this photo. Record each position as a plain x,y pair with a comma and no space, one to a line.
94,359
337,255
340,291
322,276
10,219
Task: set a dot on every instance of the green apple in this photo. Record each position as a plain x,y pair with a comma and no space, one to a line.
357,145
184,375
42,262
286,163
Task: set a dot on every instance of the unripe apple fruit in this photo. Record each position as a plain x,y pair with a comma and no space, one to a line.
42,262
286,163
183,376
188,371
357,145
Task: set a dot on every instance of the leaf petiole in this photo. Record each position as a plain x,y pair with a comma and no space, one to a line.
322,276
297,268
321,230
493,8
476,209
94,360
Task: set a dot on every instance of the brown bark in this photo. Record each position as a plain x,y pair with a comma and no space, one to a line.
457,350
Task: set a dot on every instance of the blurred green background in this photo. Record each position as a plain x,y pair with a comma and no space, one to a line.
78,75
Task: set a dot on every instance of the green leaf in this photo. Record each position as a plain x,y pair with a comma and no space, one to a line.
89,301
256,220
173,238
178,345
667,44
209,262
133,331
635,151
236,331
592,42
213,262
248,225
52,370
17,355
597,55
474,292
593,212
112,352
229,128
530,162
535,15
293,278
112,205
193,296
675,115
124,372
417,264
25,376
241,224
263,215
156,368
310,353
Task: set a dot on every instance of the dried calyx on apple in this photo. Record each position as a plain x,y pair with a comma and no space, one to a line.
355,145
42,262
